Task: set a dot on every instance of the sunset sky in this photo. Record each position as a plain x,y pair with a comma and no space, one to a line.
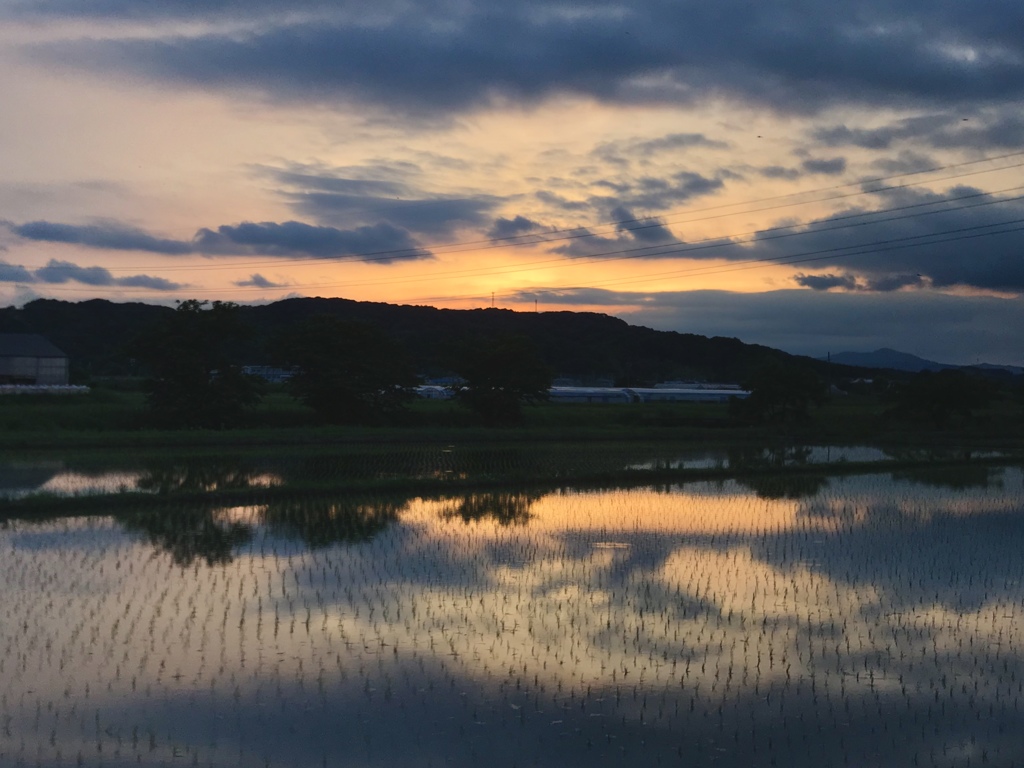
815,176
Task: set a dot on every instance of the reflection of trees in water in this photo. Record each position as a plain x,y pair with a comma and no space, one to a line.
188,534
505,508
955,478
785,486
761,457
781,486
321,522
200,475
211,535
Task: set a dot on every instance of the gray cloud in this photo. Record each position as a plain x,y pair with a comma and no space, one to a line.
850,282
506,228
650,230
999,128
110,236
63,271
825,282
57,272
915,237
259,281
433,216
778,172
15,273
621,152
351,196
648,193
951,328
830,167
654,193
148,281
907,161
642,236
381,243
459,56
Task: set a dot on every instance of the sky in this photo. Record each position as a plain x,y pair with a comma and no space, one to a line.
815,176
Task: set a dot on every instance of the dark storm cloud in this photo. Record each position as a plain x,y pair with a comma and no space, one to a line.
57,272
956,329
458,56
259,281
381,242
109,236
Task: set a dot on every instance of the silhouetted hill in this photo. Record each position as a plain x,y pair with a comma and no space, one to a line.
96,335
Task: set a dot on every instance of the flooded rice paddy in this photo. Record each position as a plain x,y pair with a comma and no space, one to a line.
859,620
25,478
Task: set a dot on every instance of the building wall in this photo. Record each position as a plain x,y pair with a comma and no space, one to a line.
34,370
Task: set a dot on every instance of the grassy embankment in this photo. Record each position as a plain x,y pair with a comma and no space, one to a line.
436,447
108,419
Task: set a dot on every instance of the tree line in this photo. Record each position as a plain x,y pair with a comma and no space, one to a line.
346,371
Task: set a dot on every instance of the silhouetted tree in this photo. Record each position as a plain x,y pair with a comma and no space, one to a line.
499,375
193,381
348,372
780,393
941,397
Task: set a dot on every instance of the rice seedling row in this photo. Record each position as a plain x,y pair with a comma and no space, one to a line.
872,621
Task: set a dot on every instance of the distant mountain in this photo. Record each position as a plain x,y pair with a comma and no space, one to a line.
895,360
988,367
889,358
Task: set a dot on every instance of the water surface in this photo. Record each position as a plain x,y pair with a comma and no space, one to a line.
871,620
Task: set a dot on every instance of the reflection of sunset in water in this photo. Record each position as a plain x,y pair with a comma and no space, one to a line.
701,623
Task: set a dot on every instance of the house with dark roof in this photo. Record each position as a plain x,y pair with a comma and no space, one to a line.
28,358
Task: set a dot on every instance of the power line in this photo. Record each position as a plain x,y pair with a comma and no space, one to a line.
575,233
730,241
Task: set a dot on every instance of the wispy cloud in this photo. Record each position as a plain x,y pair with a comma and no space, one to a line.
58,272
257,280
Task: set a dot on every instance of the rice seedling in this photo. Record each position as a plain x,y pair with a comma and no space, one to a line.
864,620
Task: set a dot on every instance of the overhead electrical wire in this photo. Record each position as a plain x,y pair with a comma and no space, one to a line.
671,249
575,233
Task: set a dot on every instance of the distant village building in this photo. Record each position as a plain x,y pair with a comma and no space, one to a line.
28,358
722,393
269,373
